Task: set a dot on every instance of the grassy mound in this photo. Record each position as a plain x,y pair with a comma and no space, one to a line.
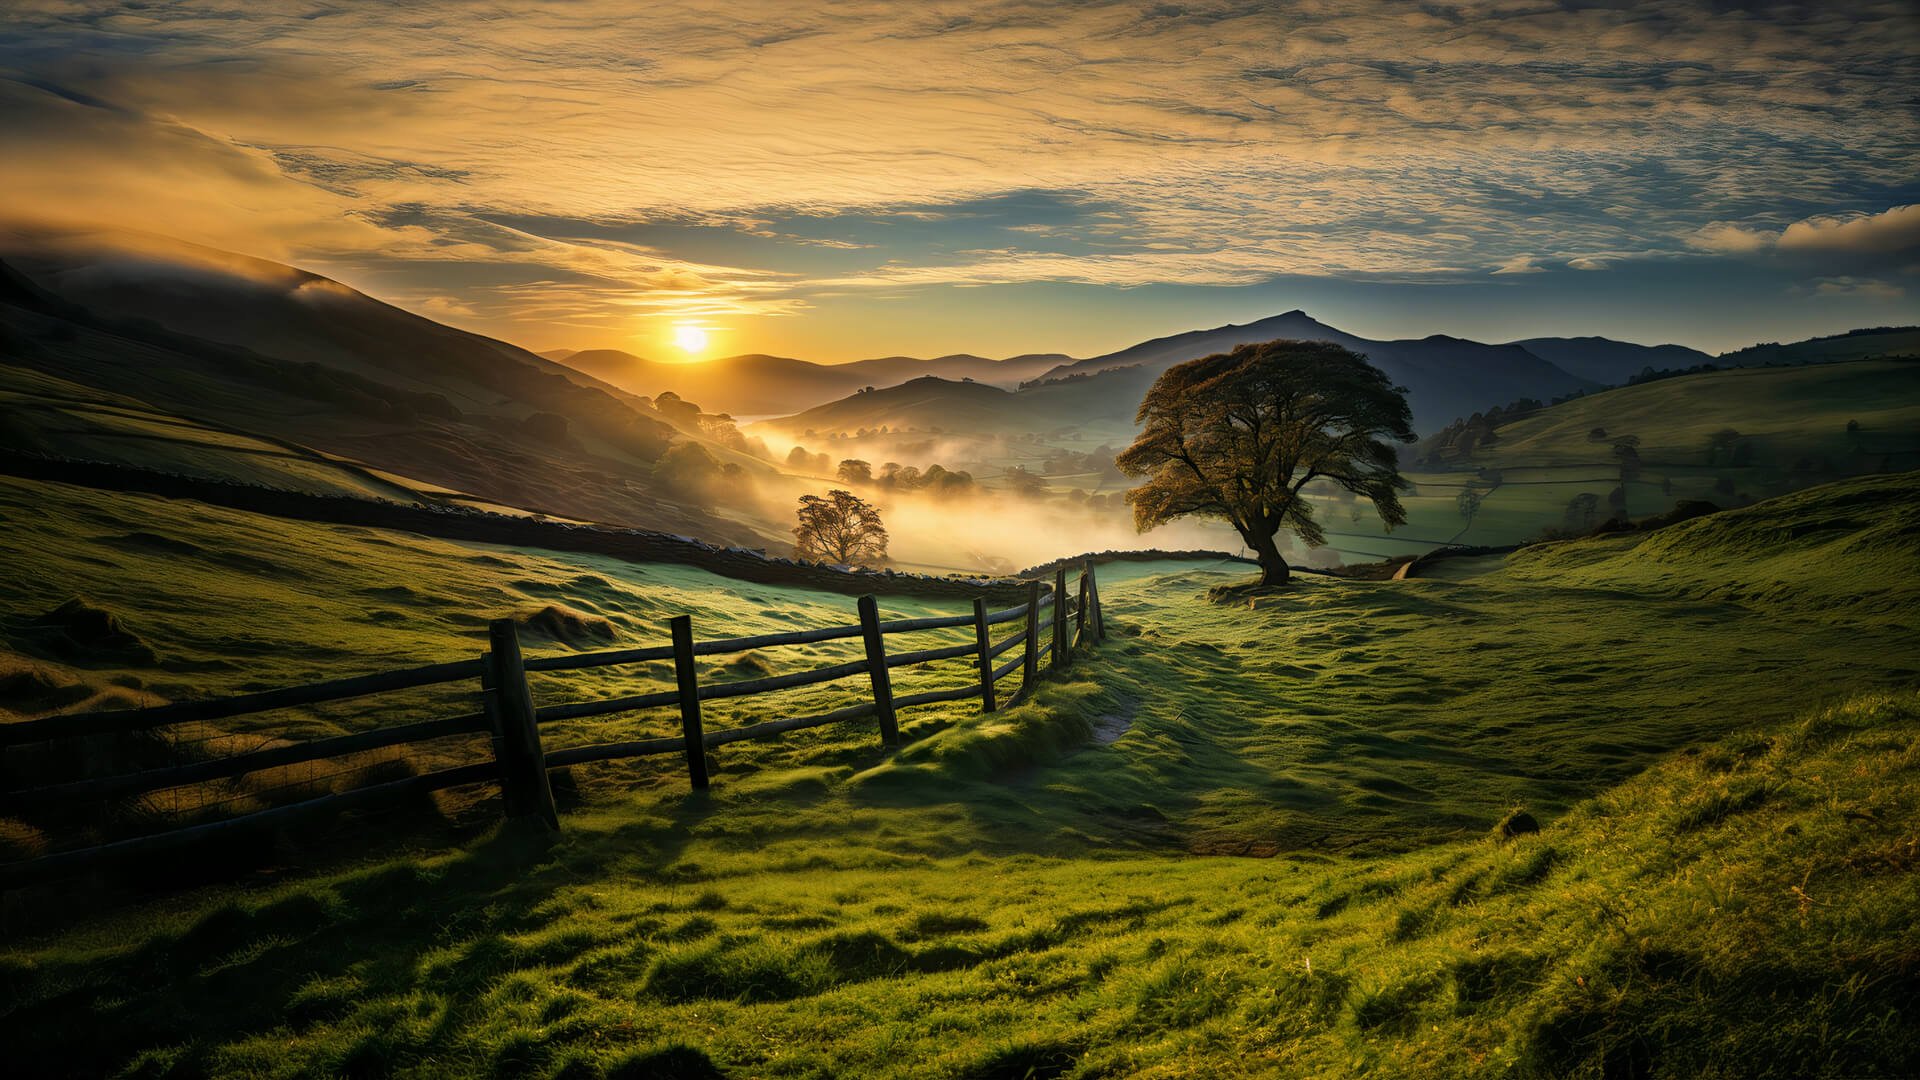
1741,909
84,632
1719,881
1849,548
557,622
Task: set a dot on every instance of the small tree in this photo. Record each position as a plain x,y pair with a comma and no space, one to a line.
855,471
1235,436
689,471
841,528
1468,503
1024,483
1721,445
1581,510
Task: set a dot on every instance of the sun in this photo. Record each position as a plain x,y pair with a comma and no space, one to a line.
691,339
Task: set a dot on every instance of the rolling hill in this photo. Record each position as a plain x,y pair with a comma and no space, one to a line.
924,404
1609,362
244,346
755,384
1862,344
1445,377
1230,842
1784,414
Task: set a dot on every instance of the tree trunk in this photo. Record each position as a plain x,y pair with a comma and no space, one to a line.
1273,568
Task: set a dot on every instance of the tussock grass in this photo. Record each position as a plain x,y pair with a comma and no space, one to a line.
1722,884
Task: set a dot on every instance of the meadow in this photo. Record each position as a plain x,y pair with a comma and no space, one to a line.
1233,840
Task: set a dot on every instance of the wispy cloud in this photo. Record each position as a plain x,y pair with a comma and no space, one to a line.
748,157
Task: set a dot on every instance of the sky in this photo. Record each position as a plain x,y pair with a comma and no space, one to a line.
852,179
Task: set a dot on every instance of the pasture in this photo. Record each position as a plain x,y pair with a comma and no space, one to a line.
1238,841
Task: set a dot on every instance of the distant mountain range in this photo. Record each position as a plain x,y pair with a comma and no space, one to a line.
261,347
1609,362
755,384
1445,377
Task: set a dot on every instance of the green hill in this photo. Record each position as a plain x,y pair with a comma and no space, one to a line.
220,342
1727,437
1877,342
1234,842
1609,362
1787,414
924,404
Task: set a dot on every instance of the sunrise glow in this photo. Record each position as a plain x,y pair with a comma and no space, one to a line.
690,339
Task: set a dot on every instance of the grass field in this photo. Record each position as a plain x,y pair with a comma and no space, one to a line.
1235,841
1792,427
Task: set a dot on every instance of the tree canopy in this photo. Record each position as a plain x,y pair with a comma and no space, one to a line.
840,528
1236,436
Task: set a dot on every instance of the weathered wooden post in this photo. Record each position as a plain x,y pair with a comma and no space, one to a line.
1031,669
1061,646
877,667
985,641
688,677
1099,616
1080,617
516,733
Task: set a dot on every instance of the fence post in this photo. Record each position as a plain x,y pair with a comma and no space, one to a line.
877,667
1086,574
1060,643
688,677
516,735
1099,617
985,641
1031,669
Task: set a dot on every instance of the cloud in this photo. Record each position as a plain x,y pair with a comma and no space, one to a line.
1730,238
1853,286
751,157
1893,231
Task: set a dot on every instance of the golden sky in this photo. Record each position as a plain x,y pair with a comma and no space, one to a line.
855,179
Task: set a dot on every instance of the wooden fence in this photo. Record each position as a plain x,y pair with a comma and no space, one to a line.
509,714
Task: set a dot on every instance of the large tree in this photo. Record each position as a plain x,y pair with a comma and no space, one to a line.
841,528
1236,436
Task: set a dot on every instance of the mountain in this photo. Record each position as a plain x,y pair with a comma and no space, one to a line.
253,346
928,403
1610,362
1864,344
1445,377
556,355
757,384
1008,373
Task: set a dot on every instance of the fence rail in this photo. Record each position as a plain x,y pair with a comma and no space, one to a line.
520,764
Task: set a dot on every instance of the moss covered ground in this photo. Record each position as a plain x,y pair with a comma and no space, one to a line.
1231,841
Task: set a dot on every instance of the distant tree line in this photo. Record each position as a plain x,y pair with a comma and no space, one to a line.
1465,435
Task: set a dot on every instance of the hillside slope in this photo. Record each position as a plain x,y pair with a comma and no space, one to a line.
1443,375
923,404
1786,414
1841,551
1722,883
306,360
1608,362
1867,343
757,384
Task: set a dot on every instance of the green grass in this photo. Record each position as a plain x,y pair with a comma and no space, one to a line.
1792,412
1724,766
1789,417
